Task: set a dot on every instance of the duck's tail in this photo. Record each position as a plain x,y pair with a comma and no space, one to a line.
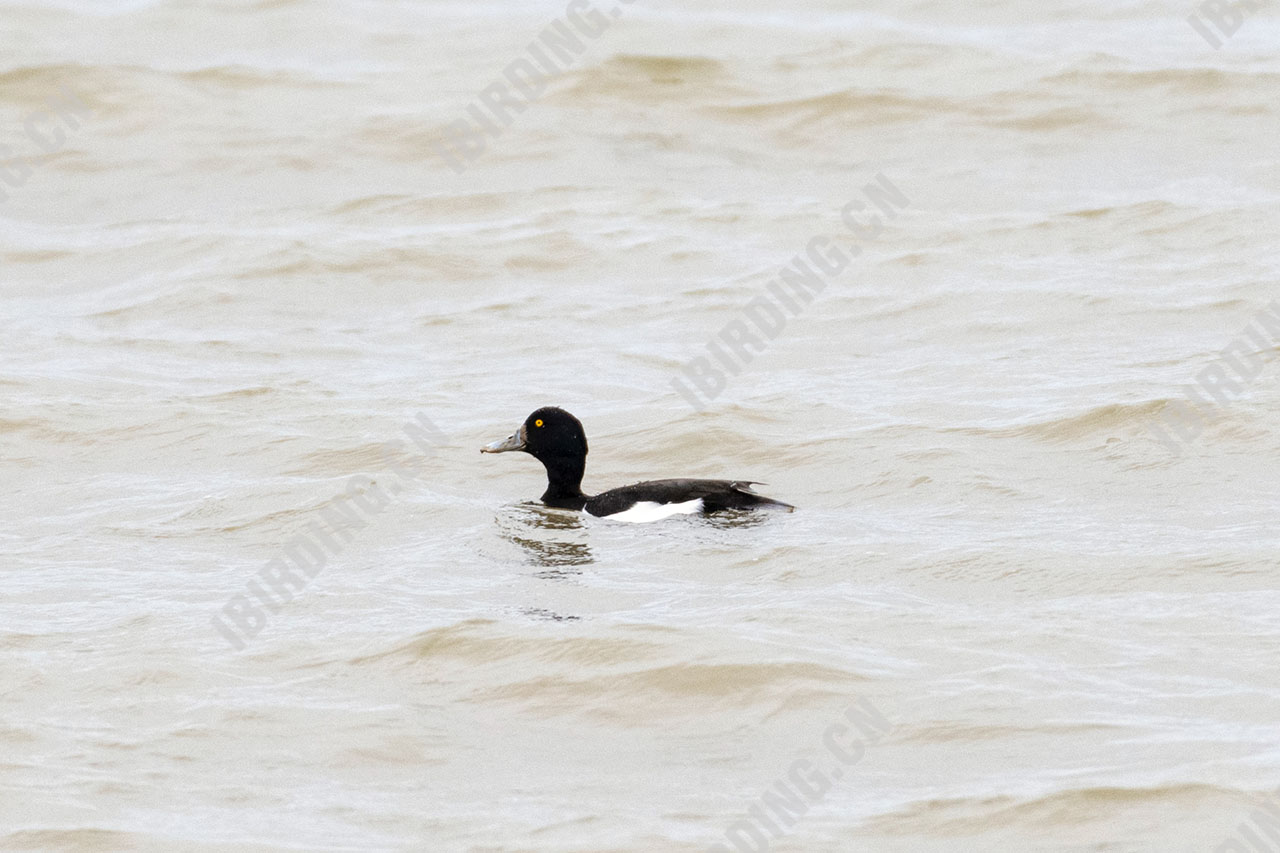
754,498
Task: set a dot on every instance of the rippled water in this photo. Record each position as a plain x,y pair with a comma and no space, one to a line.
246,268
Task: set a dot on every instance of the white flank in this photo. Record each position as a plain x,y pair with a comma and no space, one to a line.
645,511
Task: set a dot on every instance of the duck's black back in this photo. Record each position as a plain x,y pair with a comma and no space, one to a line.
714,494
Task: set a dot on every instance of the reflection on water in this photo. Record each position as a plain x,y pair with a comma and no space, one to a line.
530,525
555,539
731,518
542,613
553,519
555,574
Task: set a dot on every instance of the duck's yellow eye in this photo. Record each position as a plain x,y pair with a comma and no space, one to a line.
538,422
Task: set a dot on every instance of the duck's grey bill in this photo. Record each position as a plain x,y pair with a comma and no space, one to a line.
514,442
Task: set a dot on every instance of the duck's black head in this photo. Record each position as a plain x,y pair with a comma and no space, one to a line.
557,440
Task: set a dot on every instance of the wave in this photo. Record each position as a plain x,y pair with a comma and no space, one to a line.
650,79
87,840
975,815
1182,81
97,85
1109,419
473,641
618,678
846,105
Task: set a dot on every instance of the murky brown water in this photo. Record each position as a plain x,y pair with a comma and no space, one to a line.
246,266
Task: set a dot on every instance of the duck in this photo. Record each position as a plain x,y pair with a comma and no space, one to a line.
557,440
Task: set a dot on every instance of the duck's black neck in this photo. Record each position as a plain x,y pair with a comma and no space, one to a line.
564,481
